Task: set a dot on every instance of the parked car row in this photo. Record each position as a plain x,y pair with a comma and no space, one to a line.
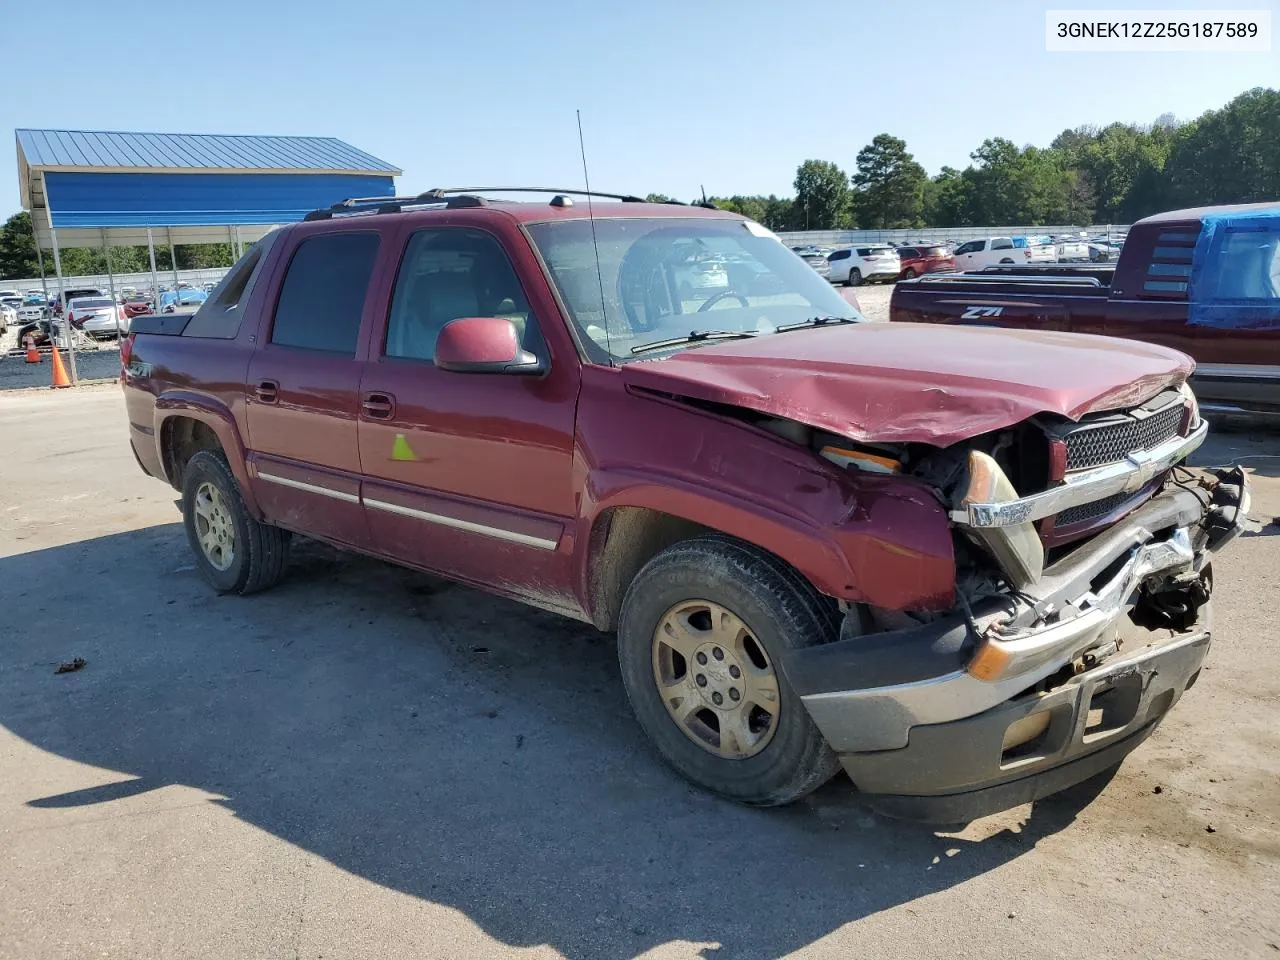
92,311
890,260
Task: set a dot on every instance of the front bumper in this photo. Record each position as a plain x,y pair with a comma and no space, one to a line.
926,738
958,771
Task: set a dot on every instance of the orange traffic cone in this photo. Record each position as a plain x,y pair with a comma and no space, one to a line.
60,378
33,355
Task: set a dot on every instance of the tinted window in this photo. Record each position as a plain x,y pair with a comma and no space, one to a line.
1002,243
93,303
840,255
447,274
323,292
219,316
908,252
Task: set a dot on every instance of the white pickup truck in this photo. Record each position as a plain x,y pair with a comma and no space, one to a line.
993,251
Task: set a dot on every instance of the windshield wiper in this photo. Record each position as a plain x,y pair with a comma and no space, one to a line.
695,336
814,322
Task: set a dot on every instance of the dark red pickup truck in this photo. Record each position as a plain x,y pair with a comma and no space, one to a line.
1203,281
962,564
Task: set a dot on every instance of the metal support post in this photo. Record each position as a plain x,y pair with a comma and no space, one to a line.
173,262
111,284
155,276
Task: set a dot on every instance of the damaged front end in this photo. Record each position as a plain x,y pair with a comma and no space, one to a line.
1083,613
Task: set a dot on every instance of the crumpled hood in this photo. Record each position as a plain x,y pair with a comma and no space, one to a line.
909,382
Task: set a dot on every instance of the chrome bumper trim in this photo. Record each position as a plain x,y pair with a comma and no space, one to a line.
1086,486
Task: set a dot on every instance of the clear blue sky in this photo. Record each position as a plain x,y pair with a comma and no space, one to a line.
732,95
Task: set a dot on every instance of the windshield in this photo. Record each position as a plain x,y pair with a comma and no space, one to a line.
665,278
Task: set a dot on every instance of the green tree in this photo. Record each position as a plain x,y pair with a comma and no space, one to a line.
822,196
891,185
18,248
946,199
1230,155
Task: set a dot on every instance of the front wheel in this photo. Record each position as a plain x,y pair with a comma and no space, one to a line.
702,628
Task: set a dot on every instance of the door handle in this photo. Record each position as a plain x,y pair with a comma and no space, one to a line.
378,406
267,391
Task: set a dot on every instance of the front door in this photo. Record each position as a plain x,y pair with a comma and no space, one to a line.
468,474
303,386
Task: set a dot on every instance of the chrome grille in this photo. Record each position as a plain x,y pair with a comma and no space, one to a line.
1092,446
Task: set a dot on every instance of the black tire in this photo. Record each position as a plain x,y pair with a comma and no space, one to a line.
781,611
909,273
262,551
855,278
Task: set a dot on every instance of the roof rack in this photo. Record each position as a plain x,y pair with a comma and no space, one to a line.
453,198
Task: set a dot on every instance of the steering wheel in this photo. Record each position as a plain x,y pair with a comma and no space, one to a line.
716,298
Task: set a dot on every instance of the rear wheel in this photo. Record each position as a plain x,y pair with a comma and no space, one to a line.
855,277
909,273
233,551
699,639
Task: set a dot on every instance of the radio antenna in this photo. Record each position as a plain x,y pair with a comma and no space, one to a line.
595,244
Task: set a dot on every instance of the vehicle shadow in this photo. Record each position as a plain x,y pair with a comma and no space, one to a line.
460,749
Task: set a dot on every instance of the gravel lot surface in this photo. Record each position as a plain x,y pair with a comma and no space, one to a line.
369,762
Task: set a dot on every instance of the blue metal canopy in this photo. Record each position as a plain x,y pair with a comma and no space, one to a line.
97,186
105,150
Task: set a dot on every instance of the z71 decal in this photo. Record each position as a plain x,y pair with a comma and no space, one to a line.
978,313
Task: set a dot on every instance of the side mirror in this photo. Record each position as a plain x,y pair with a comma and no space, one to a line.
484,345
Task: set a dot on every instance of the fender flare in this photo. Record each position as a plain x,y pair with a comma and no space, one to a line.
219,419
798,539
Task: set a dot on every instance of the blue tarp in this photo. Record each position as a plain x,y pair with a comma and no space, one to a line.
1235,271
198,199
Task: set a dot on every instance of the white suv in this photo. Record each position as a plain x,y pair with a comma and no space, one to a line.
994,251
864,264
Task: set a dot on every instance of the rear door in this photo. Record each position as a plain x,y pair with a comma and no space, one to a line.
840,261
304,379
469,474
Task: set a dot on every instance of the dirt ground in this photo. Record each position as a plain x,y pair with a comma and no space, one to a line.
369,762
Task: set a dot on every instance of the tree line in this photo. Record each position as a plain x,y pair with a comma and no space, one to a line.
1113,174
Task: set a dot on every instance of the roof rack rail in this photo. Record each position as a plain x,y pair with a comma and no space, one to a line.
451,198
439,192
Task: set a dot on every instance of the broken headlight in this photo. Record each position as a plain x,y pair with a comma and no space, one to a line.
1016,548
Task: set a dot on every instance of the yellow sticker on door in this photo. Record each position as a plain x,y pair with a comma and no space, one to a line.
400,450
